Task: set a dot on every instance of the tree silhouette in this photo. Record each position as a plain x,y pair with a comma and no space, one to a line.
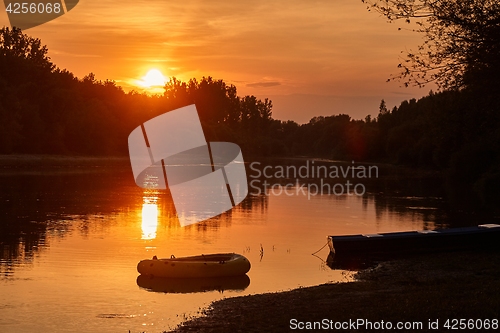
16,45
461,41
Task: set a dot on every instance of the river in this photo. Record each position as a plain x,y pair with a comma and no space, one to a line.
72,235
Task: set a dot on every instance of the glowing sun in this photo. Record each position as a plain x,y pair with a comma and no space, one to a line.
153,78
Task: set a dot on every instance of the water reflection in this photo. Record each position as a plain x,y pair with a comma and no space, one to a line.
149,215
193,285
36,207
38,202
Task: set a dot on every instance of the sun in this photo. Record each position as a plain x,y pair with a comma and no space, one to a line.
153,78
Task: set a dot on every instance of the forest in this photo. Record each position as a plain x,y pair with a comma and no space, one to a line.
48,110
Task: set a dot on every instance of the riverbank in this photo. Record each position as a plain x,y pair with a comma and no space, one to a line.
415,290
59,160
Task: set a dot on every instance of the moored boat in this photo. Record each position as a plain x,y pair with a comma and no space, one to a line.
203,266
481,236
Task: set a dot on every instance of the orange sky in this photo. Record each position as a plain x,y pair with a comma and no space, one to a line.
310,57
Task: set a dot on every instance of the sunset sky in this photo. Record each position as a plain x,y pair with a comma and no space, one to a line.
310,57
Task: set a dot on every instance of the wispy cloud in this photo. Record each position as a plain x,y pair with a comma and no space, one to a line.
76,55
263,84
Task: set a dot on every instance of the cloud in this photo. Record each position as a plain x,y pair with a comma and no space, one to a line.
77,55
263,84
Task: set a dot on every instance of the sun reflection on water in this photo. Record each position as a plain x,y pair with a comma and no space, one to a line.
149,216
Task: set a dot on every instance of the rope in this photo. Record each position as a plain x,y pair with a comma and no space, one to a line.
320,249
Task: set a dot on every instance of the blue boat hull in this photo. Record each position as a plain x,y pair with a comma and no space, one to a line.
482,236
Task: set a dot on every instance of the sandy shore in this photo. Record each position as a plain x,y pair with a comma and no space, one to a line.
433,287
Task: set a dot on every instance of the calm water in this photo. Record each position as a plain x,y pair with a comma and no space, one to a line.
71,237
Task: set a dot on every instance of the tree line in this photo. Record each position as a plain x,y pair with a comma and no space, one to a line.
47,110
